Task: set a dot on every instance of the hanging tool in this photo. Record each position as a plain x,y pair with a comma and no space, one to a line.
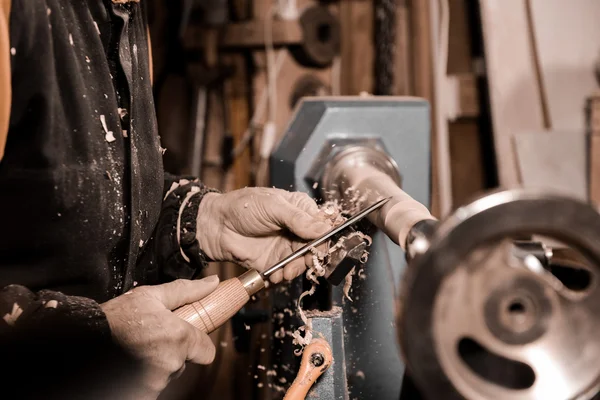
316,359
231,295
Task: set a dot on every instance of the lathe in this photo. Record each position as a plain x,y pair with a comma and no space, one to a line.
499,300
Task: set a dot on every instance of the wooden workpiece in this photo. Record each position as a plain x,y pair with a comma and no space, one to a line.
316,359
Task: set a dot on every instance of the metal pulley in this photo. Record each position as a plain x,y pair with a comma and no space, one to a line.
320,38
482,316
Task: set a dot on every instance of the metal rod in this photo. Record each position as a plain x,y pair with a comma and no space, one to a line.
317,242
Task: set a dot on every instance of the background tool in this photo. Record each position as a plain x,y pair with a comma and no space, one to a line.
231,295
316,359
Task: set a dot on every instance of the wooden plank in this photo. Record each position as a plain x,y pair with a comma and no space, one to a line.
567,35
357,53
558,162
422,67
402,65
466,153
249,34
459,40
465,96
467,161
514,91
237,95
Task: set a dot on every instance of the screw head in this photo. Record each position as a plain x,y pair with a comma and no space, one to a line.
317,359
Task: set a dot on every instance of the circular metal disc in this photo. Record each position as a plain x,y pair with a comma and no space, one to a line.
334,180
477,322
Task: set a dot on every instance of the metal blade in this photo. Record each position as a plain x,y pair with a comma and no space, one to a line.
306,248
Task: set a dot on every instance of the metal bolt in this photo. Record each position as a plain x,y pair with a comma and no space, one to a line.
317,359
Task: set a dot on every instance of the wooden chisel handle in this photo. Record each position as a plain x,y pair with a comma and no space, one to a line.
218,307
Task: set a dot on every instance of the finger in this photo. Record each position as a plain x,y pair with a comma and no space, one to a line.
277,276
308,259
178,373
183,291
294,269
304,202
298,221
201,349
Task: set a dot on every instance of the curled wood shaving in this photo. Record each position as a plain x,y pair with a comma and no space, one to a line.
299,339
348,284
334,212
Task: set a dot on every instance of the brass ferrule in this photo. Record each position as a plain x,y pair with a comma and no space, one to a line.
252,281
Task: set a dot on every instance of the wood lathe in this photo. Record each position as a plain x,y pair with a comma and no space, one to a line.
495,301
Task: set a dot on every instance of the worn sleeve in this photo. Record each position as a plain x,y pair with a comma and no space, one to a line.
174,246
62,342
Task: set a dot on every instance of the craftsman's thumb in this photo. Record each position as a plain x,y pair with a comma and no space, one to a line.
183,291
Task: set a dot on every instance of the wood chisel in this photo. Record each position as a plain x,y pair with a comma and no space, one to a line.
231,295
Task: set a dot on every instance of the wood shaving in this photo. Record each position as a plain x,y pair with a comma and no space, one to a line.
280,334
348,284
11,318
299,339
109,136
334,212
51,304
278,388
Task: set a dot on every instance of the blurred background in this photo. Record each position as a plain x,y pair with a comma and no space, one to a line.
512,88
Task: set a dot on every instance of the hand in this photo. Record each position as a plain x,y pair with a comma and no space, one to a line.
256,227
142,322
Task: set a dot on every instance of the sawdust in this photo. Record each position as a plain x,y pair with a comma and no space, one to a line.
335,213
335,311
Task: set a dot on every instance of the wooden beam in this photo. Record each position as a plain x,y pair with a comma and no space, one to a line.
357,53
237,95
423,82
402,65
467,163
515,96
465,96
249,34
466,153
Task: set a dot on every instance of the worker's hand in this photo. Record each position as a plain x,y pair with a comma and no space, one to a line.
256,227
142,322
